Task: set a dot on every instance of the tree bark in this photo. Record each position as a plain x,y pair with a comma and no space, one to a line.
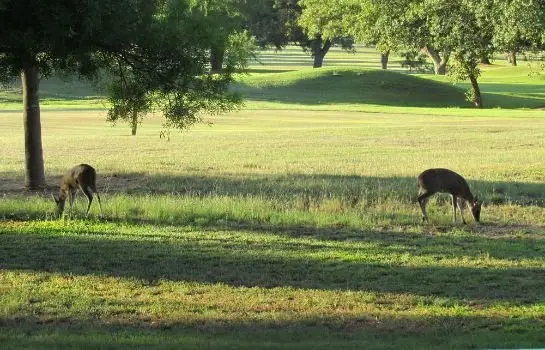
513,58
217,55
134,122
384,57
439,63
34,161
320,51
318,59
477,98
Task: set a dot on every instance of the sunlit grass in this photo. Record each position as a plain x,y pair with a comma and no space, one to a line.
286,223
290,224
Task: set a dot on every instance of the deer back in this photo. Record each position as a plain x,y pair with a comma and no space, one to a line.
444,181
82,174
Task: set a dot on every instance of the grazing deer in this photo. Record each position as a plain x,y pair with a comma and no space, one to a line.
81,176
432,181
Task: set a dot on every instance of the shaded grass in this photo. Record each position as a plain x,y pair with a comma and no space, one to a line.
311,333
464,266
242,287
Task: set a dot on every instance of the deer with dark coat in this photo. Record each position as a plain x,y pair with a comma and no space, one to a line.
83,177
439,180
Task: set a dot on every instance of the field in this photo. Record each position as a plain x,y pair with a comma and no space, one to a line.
292,223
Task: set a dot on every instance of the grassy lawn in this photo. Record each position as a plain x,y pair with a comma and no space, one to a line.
290,224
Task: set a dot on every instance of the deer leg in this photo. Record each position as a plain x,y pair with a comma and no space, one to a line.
461,203
454,202
89,194
71,198
423,201
99,204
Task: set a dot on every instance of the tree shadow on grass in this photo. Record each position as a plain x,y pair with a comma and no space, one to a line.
311,332
280,263
267,70
313,189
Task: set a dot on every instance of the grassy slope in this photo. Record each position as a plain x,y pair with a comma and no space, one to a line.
283,79
282,228
338,86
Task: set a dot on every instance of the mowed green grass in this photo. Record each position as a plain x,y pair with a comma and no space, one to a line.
350,81
277,228
289,224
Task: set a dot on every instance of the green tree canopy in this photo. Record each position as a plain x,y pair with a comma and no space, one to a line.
323,25
465,30
158,48
519,26
276,22
267,22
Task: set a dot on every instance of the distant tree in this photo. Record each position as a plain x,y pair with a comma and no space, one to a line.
397,25
268,23
276,23
133,94
414,60
439,28
377,23
442,29
463,28
161,45
226,17
323,23
128,96
536,63
466,32
432,26
518,26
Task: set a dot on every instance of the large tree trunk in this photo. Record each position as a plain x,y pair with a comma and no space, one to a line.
384,57
320,51
217,55
318,59
34,161
477,98
513,58
134,122
439,64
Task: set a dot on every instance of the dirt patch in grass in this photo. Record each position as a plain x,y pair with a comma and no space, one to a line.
510,230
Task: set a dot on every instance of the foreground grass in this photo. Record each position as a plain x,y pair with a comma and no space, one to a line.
88,284
277,229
